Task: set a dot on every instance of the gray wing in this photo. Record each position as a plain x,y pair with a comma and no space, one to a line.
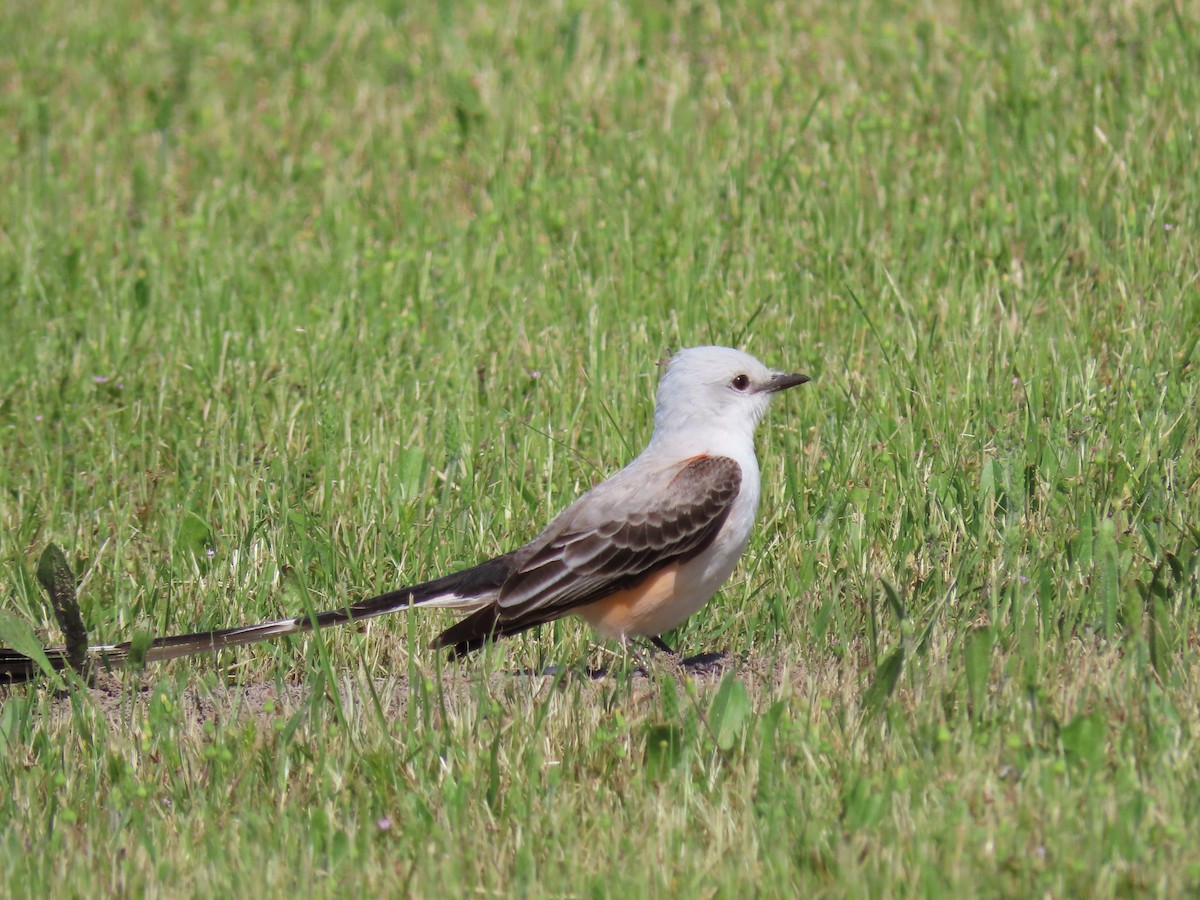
613,538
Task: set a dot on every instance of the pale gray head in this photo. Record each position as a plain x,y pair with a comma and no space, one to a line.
717,388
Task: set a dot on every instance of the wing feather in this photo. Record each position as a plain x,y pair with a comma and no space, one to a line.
607,542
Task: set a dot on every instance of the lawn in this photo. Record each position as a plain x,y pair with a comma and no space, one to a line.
304,302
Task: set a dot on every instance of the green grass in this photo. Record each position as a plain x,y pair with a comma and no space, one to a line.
352,295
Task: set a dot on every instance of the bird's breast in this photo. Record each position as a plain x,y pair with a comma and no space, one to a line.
650,607
666,597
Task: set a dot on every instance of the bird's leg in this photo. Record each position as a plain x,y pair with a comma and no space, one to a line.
673,659
628,660
660,644
634,658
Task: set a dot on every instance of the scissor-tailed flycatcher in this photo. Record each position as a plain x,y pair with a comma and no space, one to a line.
634,557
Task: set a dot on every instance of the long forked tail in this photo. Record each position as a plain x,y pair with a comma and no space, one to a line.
468,590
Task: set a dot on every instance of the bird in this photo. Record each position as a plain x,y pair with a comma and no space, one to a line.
634,557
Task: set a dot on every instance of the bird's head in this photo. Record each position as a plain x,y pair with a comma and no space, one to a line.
718,389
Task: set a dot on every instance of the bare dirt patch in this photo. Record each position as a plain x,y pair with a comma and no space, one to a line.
126,698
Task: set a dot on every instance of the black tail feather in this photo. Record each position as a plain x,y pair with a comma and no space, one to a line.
477,581
480,628
16,668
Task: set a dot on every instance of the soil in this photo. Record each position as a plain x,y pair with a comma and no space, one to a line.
124,697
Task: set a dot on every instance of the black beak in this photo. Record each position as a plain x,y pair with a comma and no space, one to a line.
781,381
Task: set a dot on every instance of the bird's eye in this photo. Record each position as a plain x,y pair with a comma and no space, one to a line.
740,382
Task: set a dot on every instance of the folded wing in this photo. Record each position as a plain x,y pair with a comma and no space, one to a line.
608,540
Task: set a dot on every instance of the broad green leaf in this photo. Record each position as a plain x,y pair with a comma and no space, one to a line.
412,471
1107,580
56,576
887,676
16,634
1083,740
977,661
864,803
664,750
729,710
139,646
195,535
493,786
894,601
